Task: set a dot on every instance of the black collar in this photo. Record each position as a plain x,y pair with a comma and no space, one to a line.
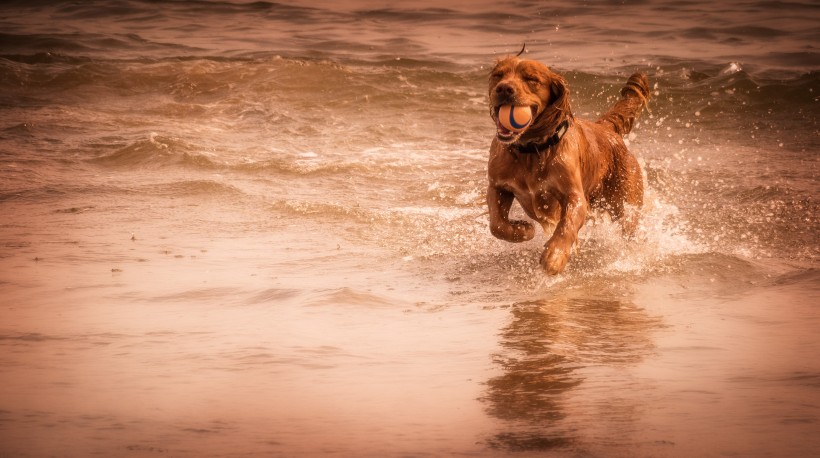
538,148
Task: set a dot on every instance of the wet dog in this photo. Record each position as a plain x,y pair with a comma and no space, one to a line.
557,167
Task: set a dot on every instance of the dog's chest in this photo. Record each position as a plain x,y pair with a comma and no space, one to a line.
534,198
529,183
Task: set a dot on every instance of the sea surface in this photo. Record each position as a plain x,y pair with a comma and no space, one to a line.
258,229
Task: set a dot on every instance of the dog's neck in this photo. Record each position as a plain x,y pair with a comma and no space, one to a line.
536,147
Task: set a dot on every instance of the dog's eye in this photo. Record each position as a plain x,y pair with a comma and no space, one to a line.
532,80
497,75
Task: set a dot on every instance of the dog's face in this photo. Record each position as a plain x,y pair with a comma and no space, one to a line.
523,82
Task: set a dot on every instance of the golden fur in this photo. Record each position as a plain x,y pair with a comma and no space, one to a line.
556,184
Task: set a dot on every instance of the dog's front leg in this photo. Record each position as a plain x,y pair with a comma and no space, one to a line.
573,214
499,202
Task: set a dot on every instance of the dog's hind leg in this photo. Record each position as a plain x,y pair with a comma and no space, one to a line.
627,199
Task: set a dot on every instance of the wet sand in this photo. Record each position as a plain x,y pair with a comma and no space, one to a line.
205,345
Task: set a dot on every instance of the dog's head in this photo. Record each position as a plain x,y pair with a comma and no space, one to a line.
521,82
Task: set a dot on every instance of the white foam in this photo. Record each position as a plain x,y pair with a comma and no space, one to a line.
661,234
731,69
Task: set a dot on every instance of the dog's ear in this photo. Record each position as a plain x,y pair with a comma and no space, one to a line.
559,90
559,94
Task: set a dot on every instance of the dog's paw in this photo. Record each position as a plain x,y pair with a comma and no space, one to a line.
554,259
523,231
513,231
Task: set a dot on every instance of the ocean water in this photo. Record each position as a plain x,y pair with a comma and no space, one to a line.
259,229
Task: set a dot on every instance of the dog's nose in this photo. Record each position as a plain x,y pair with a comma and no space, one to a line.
504,90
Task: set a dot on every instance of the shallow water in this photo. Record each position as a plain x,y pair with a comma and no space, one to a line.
236,229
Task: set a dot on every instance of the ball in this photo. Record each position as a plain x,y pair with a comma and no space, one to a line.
515,117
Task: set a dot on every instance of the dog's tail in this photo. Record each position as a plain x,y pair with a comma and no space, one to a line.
634,97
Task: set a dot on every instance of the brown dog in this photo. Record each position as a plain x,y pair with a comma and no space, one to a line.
559,166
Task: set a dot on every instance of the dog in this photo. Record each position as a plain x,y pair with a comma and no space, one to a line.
559,167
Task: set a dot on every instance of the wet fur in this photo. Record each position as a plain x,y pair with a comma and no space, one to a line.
590,166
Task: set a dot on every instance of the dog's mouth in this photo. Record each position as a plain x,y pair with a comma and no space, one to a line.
506,135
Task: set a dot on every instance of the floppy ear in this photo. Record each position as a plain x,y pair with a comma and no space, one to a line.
559,96
557,110
559,92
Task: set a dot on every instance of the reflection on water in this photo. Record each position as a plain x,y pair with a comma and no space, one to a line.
553,349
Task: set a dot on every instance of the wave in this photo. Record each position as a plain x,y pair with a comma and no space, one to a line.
155,152
348,296
730,34
268,73
808,278
208,188
767,194
326,211
453,31
69,191
162,152
737,88
418,85
73,47
304,165
45,192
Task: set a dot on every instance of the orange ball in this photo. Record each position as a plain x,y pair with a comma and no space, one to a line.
515,117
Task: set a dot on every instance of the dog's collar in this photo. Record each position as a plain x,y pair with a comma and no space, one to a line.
537,148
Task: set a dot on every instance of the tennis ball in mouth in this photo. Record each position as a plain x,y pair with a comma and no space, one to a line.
514,117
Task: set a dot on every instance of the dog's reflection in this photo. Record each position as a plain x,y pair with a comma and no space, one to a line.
549,350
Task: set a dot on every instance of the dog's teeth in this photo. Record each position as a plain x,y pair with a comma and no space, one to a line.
501,128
